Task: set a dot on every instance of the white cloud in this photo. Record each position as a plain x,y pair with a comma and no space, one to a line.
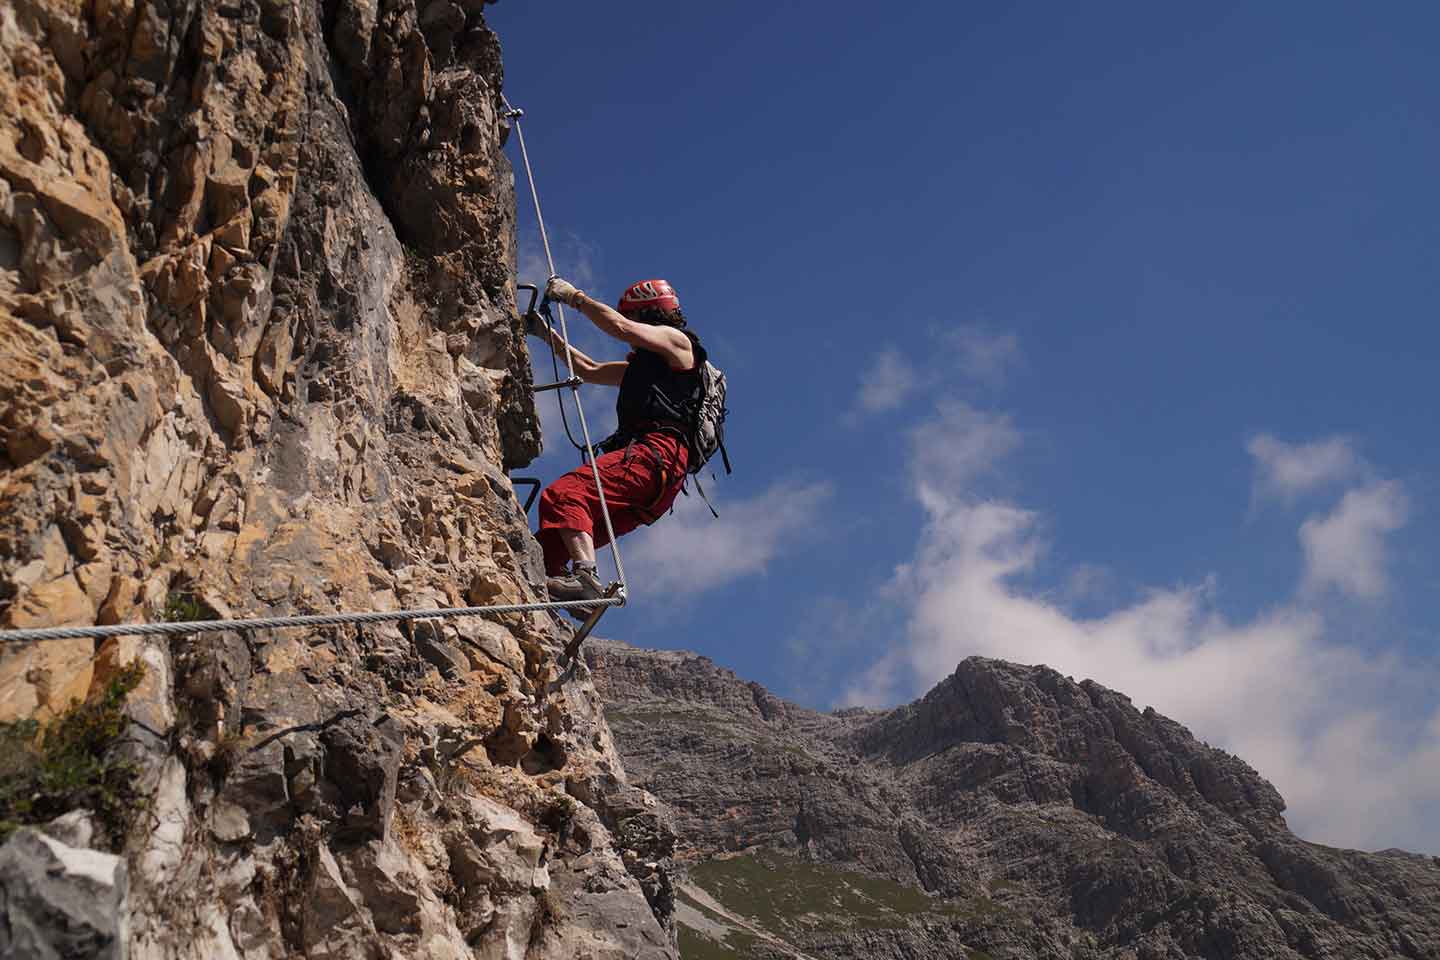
575,260
1327,723
886,384
692,552
1287,470
1346,548
949,451
1087,581
969,352
983,354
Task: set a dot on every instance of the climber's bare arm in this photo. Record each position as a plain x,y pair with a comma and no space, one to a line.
669,342
606,374
588,369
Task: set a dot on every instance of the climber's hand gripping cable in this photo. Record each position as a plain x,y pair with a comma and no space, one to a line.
562,291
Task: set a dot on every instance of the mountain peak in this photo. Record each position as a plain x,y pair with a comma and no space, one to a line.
1093,739
1027,814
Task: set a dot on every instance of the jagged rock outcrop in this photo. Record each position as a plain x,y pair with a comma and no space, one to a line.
259,356
61,900
1028,815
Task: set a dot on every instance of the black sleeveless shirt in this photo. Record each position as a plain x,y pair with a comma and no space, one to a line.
652,396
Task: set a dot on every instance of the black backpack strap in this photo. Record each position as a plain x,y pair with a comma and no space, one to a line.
725,456
701,490
701,354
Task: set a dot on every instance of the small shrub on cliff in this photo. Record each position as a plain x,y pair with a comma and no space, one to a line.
182,606
68,764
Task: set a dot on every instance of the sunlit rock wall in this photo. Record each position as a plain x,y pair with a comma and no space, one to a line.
258,347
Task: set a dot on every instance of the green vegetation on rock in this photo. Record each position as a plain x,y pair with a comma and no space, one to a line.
68,764
182,606
696,946
776,891
795,901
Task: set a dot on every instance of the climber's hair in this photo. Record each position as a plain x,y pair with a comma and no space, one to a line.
659,318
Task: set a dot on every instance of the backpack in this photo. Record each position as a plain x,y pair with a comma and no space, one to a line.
691,404
706,429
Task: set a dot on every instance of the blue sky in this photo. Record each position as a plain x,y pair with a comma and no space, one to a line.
1097,337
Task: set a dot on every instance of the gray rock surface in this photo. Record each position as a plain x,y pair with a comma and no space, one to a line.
59,902
1027,815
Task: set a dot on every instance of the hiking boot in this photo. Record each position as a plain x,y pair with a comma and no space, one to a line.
581,584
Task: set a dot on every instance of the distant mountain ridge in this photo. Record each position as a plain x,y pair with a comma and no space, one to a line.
1011,812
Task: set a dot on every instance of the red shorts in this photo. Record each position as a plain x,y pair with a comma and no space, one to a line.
640,483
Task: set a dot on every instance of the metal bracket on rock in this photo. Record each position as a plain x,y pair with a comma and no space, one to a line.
559,384
570,657
533,483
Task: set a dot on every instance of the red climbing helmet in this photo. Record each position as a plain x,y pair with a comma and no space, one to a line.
648,293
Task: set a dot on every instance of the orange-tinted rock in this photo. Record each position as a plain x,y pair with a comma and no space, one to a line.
226,386
44,677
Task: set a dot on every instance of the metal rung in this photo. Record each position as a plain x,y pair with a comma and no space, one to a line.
572,382
533,483
573,647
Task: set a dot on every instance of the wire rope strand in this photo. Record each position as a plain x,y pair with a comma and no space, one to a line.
514,116
560,402
303,620
569,358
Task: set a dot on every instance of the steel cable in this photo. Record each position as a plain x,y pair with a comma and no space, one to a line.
515,115
304,620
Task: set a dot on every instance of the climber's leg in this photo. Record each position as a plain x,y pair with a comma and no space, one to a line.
580,546
557,556
567,521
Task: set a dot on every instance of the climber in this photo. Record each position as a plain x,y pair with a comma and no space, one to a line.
645,460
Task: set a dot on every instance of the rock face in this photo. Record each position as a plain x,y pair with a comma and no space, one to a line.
259,355
1011,812
61,901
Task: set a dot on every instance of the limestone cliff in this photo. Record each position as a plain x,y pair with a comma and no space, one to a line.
1009,813
259,355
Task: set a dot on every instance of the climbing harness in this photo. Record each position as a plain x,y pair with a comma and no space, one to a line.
616,593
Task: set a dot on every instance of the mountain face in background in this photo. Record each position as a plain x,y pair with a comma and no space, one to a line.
259,356
1009,813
